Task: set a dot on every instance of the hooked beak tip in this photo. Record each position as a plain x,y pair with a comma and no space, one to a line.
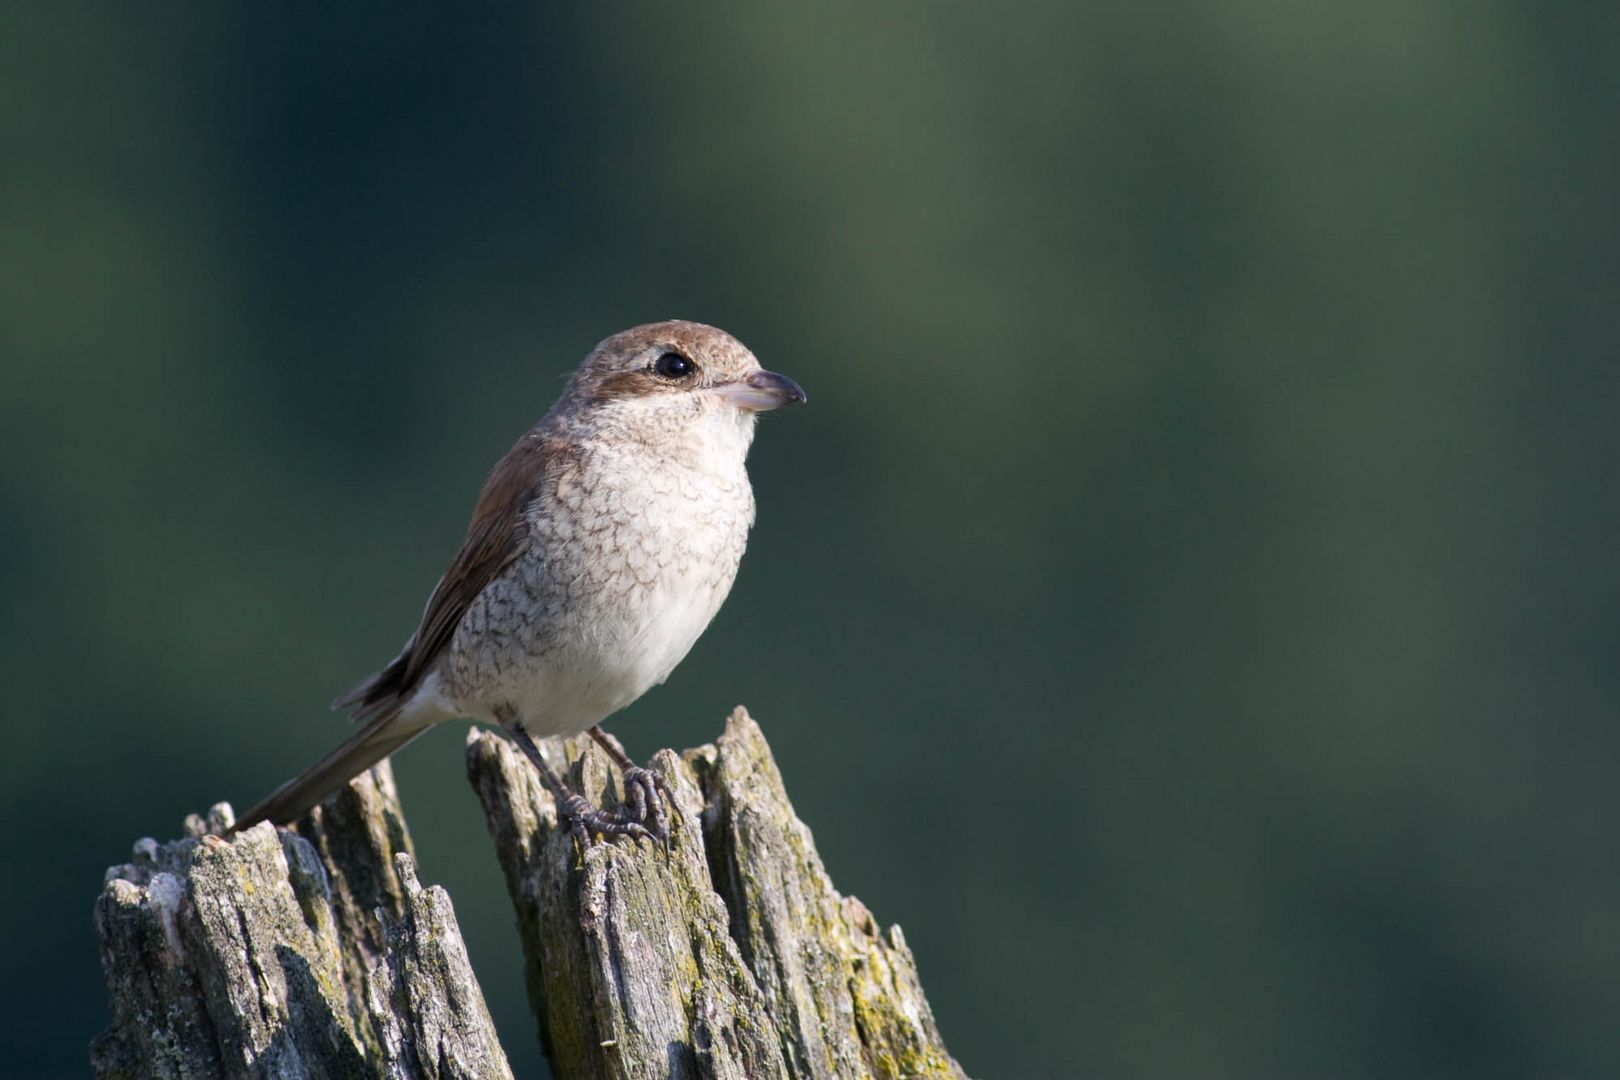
772,383
762,391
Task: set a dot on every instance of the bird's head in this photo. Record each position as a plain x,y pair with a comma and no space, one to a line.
677,381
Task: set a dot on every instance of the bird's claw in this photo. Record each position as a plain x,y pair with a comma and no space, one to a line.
586,822
645,793
641,817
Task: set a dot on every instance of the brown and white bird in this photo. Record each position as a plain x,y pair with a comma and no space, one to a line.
600,548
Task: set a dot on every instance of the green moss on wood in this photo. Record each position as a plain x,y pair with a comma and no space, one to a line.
769,973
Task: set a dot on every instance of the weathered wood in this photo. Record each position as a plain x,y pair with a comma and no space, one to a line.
283,953
726,953
313,952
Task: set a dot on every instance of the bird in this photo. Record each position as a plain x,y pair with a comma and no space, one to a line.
600,547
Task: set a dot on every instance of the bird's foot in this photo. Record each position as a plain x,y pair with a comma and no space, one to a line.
645,793
587,823
641,817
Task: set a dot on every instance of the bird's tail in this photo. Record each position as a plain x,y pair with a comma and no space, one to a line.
381,736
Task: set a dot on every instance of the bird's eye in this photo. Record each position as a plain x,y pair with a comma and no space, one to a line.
672,365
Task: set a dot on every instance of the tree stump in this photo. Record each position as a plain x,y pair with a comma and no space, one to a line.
304,952
726,954
723,953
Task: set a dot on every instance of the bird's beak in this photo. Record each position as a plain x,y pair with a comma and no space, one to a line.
762,391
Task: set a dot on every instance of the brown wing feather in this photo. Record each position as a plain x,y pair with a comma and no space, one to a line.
496,535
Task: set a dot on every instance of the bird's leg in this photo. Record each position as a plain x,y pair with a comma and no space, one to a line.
583,819
644,790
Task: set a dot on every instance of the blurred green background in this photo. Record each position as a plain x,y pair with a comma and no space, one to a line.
1190,604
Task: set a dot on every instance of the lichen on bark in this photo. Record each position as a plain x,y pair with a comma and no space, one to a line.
305,952
725,952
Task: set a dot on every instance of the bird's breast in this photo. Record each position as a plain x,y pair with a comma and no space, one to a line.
624,569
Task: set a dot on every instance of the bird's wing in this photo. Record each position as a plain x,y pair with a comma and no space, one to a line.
497,534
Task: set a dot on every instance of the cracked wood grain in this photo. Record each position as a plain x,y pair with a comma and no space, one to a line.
305,952
725,953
